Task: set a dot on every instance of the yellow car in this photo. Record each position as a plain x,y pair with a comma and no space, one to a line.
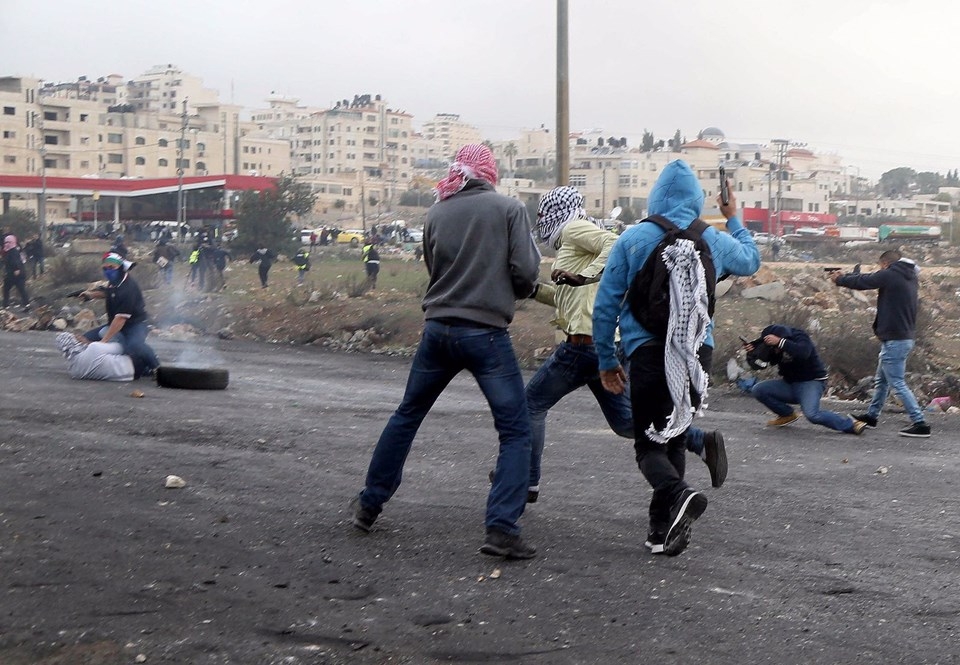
352,236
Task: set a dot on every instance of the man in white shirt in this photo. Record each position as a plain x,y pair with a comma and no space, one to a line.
97,361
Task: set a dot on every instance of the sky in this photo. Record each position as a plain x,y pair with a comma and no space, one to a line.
870,80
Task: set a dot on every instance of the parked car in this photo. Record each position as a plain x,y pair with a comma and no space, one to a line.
352,236
415,235
763,238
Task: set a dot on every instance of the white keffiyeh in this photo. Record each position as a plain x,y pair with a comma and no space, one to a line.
686,331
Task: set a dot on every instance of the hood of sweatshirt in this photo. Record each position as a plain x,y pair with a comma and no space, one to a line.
907,268
677,194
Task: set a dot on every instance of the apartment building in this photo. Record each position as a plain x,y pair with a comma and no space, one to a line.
162,89
447,133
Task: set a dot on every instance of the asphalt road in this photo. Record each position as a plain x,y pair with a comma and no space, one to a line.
807,554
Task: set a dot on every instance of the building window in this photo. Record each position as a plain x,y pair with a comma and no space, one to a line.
578,180
114,158
201,166
84,164
114,138
50,140
9,135
9,110
83,117
9,159
246,149
201,147
162,143
140,161
183,163
50,163
140,140
185,144
49,115
347,191
161,162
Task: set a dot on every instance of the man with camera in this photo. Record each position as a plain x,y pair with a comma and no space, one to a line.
803,379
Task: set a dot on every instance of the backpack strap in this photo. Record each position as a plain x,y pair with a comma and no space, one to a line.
698,226
662,222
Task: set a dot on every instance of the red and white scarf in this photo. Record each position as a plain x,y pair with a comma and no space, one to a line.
473,162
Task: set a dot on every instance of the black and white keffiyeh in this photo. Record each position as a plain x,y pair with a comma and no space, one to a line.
559,207
686,332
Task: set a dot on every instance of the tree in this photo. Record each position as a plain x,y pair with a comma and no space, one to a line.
897,182
929,182
339,204
646,143
265,217
676,142
21,223
510,151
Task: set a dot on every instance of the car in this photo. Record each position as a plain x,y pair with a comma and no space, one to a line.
763,238
351,236
415,235
305,235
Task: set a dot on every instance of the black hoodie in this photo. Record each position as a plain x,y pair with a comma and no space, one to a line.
896,301
797,357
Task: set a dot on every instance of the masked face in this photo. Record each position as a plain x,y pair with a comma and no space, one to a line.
113,275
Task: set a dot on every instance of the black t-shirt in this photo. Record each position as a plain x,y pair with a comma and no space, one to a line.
126,298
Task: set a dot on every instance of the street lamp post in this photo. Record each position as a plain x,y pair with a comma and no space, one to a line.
183,131
781,154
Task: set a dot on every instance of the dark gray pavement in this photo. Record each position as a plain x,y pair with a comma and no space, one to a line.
806,555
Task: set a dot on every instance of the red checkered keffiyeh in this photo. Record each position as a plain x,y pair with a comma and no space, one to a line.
473,162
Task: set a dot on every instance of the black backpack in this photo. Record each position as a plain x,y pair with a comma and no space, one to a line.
649,292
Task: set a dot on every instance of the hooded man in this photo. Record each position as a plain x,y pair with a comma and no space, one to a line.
14,275
481,258
678,196
895,325
803,380
582,246
126,313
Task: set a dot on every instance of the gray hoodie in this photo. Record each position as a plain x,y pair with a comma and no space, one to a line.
481,256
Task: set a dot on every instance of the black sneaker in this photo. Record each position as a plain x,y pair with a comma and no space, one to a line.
654,542
509,546
685,512
363,517
865,418
715,457
919,430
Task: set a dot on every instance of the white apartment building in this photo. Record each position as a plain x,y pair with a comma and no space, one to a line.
447,134
162,88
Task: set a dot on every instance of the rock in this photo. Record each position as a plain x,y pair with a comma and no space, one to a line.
723,287
84,320
60,324
141,658
775,291
174,483
137,393
225,333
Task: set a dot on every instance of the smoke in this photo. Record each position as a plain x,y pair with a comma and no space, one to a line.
199,357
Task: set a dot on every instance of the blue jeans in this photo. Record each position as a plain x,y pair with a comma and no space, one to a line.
572,366
890,374
133,338
778,396
444,351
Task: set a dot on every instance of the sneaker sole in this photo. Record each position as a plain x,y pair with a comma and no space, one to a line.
789,422
718,473
915,436
678,536
505,552
361,525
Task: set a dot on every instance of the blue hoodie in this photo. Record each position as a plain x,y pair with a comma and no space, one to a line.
678,196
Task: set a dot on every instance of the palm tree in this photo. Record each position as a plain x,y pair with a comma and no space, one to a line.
510,151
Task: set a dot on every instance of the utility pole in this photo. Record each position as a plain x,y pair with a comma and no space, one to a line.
770,228
42,203
181,216
781,154
363,204
563,95
856,205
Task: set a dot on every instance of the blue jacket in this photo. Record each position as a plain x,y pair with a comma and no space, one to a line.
797,357
678,196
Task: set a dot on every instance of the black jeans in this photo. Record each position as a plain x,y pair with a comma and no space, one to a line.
19,282
663,465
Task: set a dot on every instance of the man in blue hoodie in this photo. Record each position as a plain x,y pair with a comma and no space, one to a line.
678,196
895,325
803,380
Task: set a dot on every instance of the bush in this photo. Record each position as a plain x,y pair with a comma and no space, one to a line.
63,270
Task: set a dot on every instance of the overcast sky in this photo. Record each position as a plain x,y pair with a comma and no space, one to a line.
871,80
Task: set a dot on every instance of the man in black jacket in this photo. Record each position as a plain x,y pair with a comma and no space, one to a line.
803,380
895,326
15,274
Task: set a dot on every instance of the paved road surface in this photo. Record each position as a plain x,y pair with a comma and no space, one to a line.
807,555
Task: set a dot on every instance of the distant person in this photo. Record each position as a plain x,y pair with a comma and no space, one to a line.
34,251
895,325
481,258
220,258
371,262
265,257
126,313
668,374
119,248
96,361
775,248
313,241
14,272
302,260
803,381
164,256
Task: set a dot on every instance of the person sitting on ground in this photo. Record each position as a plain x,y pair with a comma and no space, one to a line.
803,380
97,361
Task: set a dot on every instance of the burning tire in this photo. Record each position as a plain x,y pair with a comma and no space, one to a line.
190,378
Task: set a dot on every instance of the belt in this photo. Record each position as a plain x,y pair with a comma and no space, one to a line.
579,340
